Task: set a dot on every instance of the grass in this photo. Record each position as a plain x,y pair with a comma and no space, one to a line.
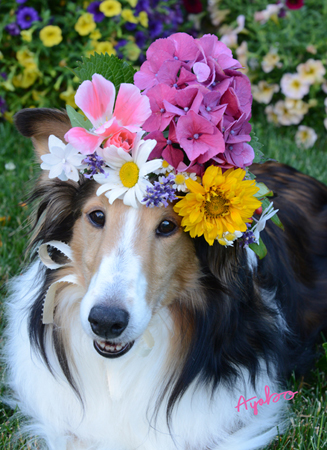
308,423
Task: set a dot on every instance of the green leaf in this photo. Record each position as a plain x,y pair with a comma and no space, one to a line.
109,66
263,191
325,347
77,120
275,219
259,249
255,144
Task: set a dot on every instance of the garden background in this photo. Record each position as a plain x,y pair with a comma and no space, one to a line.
283,49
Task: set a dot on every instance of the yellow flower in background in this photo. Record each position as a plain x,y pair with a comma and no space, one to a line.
25,57
104,47
85,24
26,35
127,14
95,35
133,3
143,19
224,204
1,55
305,137
7,85
51,35
26,79
68,96
110,8
132,51
270,61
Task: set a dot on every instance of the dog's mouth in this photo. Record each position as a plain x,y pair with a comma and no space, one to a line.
109,349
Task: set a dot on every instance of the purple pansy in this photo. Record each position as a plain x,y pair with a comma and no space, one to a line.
142,5
13,29
140,39
130,26
93,8
26,16
155,28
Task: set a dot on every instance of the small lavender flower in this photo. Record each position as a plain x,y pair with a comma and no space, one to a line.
26,16
95,163
13,29
247,238
3,75
161,193
93,8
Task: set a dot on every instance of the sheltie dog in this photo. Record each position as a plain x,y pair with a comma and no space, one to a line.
162,334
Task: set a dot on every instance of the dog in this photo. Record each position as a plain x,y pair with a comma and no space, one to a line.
160,335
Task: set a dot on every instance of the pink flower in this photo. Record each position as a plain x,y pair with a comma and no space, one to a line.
96,99
294,4
164,148
238,155
199,138
188,99
211,108
160,117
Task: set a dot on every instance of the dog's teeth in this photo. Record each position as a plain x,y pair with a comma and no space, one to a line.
119,347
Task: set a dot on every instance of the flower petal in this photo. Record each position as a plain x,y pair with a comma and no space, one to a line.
130,199
115,193
131,109
96,99
83,140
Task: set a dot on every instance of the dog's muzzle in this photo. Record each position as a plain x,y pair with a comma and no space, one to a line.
109,323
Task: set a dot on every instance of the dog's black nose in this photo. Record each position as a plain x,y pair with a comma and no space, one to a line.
108,322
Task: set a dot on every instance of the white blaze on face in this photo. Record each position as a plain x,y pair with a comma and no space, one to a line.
119,281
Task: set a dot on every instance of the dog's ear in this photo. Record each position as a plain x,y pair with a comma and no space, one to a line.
39,123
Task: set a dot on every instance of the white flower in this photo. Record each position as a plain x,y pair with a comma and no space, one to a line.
165,168
325,123
261,223
324,86
293,86
311,71
10,166
228,238
180,179
272,116
62,161
285,115
263,92
127,178
229,36
305,137
270,61
264,15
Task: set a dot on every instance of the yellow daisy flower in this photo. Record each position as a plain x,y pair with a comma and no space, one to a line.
110,8
69,96
224,203
51,35
133,3
104,47
85,24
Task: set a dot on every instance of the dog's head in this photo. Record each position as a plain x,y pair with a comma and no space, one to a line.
130,263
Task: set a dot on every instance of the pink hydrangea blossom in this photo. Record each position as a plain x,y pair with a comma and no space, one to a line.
96,99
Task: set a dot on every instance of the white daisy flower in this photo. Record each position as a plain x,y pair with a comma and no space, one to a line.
180,179
228,238
261,223
127,178
62,161
165,168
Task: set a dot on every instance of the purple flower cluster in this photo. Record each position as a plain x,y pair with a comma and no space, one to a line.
95,163
13,29
161,193
247,238
197,93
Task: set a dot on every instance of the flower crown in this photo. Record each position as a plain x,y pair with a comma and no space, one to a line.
195,106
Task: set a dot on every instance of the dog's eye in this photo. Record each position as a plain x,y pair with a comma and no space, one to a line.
97,218
166,228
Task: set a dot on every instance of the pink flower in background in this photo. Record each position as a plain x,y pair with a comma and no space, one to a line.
294,4
185,100
96,99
